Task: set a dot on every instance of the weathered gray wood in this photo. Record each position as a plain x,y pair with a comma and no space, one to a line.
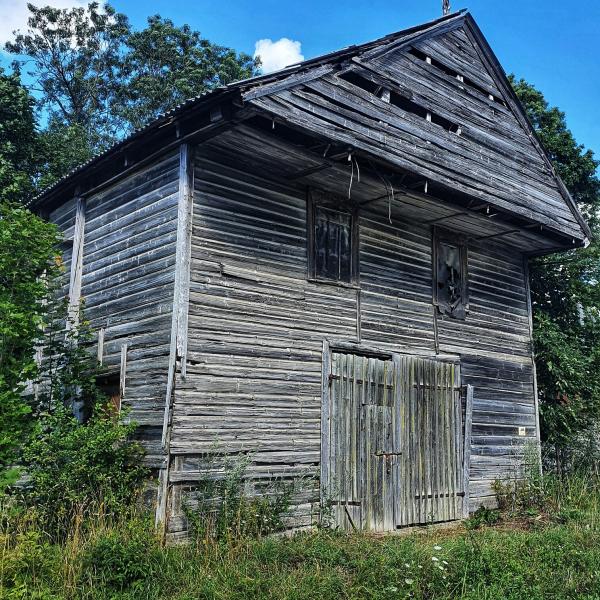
432,156
184,249
76,264
378,463
179,317
100,346
467,450
325,425
296,79
533,366
123,374
198,268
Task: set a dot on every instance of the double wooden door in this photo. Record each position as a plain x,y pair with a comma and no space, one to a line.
392,441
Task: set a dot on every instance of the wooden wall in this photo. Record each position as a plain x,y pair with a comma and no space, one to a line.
443,117
127,284
256,328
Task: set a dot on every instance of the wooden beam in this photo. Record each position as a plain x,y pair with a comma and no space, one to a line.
324,479
100,354
309,171
467,449
503,233
76,265
291,80
536,400
180,310
445,218
123,374
184,252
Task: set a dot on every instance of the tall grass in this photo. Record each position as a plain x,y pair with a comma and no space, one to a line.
550,551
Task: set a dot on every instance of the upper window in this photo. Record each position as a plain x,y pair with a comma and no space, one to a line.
450,289
332,239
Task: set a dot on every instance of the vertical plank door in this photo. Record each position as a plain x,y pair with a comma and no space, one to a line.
395,436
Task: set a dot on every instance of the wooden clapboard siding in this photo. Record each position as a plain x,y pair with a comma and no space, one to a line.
255,331
493,158
257,325
494,341
127,283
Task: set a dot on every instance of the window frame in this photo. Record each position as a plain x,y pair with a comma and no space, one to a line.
439,236
320,199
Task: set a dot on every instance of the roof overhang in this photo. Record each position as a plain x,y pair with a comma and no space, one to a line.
205,117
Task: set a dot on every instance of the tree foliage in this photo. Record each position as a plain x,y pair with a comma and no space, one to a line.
79,468
28,250
72,55
18,139
164,64
566,292
97,80
62,147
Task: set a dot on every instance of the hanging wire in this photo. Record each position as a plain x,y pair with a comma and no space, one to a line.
351,175
390,200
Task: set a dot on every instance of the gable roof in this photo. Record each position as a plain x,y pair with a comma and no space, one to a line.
254,88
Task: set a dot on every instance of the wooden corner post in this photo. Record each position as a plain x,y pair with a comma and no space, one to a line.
179,320
467,450
324,482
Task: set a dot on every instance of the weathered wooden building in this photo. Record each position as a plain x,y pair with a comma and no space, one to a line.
327,267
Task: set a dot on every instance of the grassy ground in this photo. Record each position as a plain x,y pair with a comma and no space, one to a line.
531,553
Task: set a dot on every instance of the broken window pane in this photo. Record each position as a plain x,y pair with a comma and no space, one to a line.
333,255
332,238
450,273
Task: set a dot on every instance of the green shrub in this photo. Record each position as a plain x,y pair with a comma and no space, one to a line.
224,511
76,468
123,556
482,516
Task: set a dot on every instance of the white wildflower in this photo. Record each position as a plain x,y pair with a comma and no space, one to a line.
437,547
409,581
435,559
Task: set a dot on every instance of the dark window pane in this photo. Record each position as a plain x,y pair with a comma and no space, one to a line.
333,255
450,283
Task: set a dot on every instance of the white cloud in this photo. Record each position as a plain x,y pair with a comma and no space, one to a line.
14,14
276,55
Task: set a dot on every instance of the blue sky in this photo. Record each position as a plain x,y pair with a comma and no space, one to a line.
553,44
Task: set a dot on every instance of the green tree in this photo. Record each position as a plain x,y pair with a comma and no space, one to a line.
96,80
72,56
28,259
62,147
18,139
566,293
165,65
